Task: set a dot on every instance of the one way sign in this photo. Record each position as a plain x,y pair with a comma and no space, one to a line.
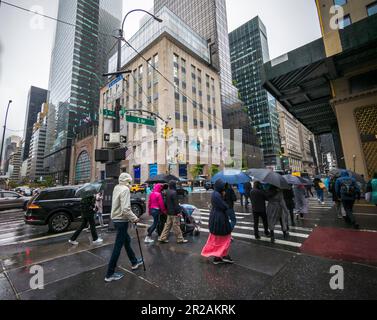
114,138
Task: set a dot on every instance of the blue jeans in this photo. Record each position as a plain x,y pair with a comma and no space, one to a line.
155,214
320,194
122,239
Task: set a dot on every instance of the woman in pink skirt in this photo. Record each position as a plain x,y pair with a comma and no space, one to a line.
220,238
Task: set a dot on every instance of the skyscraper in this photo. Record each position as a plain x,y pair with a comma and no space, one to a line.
79,59
36,98
249,51
209,19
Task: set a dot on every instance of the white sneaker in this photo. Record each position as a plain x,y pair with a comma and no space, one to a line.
323,203
98,241
148,240
74,243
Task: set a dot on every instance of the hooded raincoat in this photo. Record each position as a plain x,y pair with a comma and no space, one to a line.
121,204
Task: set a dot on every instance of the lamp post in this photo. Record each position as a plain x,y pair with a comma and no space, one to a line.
5,128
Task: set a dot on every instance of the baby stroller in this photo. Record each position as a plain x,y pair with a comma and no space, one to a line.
190,220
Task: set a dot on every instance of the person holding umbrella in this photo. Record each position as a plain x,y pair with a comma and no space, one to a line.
219,240
122,216
87,207
276,211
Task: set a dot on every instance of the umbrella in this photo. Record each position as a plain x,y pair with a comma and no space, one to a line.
162,178
292,179
338,172
89,189
270,177
231,176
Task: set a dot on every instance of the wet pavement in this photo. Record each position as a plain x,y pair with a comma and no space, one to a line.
261,270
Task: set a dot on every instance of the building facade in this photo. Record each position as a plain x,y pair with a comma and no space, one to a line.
292,156
36,98
35,161
12,144
249,51
309,150
187,95
79,59
15,163
355,88
209,19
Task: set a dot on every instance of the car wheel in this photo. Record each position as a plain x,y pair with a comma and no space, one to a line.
136,209
59,222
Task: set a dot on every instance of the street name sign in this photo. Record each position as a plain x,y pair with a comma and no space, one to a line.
144,121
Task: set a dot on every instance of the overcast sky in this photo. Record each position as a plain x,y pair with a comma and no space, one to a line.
26,44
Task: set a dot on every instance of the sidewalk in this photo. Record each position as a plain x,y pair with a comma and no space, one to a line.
178,272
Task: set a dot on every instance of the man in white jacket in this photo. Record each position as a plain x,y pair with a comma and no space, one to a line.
122,215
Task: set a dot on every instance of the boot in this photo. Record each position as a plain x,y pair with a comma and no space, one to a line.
285,235
272,233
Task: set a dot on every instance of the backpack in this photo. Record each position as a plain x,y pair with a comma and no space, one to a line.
348,189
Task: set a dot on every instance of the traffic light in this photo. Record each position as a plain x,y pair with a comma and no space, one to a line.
167,132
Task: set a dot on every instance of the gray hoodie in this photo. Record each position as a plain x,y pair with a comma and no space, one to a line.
121,205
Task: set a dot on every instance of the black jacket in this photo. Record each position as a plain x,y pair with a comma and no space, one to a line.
219,224
258,200
172,204
248,188
289,199
87,206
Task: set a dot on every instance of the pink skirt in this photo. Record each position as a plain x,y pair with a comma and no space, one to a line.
217,246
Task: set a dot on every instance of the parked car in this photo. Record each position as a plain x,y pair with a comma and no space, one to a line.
208,185
181,191
12,200
58,208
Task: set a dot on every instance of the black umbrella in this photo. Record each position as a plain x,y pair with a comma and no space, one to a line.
270,177
162,178
89,189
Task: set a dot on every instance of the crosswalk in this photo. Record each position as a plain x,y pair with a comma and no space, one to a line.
298,234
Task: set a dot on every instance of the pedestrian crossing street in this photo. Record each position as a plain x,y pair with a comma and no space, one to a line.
244,229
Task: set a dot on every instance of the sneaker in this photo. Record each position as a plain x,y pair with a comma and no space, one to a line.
137,265
267,234
115,277
148,240
163,241
228,259
74,243
98,241
323,203
183,241
217,261
257,237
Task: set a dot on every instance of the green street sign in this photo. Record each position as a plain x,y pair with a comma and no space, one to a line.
109,113
138,120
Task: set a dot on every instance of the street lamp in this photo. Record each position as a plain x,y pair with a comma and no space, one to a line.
5,127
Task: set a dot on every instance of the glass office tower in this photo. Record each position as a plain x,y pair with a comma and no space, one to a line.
249,51
79,58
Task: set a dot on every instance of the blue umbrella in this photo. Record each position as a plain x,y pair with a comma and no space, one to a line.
231,176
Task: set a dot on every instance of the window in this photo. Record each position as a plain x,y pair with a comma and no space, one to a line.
58,194
372,9
345,22
340,2
10,195
83,168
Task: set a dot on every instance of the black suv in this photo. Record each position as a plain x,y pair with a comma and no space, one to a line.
58,208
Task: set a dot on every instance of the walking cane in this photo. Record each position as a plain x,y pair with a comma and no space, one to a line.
141,252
